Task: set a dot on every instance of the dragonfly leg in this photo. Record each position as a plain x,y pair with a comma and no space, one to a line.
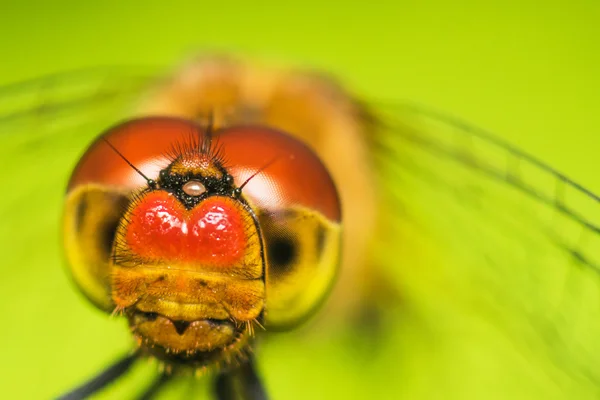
101,380
155,387
242,383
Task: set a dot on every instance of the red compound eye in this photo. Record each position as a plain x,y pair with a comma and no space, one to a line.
294,175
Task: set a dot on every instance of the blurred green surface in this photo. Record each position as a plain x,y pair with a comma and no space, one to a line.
527,70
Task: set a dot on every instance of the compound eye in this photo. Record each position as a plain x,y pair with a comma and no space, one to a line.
146,143
299,212
102,185
291,174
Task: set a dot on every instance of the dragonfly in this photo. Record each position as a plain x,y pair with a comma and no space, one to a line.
468,266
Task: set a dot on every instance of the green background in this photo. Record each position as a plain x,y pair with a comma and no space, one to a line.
526,70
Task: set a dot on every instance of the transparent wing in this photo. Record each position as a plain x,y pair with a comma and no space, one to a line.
45,124
69,98
498,256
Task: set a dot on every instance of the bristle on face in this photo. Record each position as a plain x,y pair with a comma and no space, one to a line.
199,153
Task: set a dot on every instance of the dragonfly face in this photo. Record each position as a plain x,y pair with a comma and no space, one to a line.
159,227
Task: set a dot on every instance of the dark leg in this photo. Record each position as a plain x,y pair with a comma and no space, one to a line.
102,380
225,387
242,383
156,386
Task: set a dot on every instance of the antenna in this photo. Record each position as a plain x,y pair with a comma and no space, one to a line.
261,169
150,182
